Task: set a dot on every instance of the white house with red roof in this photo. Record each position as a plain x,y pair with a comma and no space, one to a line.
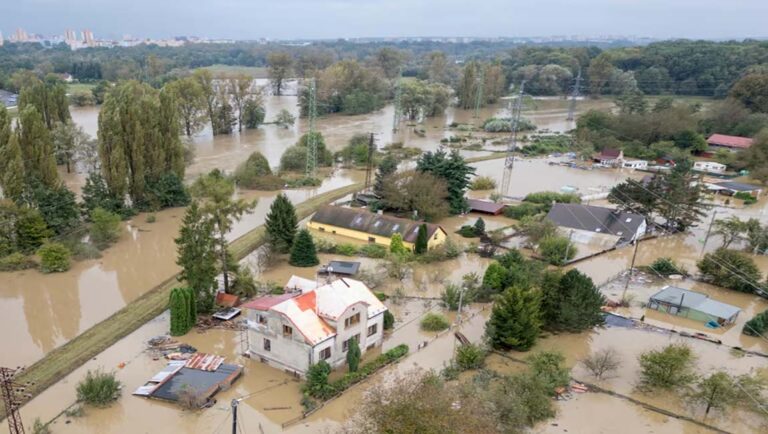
295,330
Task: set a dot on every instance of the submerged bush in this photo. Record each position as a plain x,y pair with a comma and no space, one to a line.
54,258
375,251
98,388
470,356
483,183
16,261
434,322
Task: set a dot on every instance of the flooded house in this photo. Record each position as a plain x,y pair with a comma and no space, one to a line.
693,305
709,167
610,157
589,224
485,206
730,188
295,330
635,164
371,227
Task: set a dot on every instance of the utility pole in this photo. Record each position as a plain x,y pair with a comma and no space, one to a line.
479,94
509,162
234,415
631,270
709,231
311,138
10,391
369,165
574,94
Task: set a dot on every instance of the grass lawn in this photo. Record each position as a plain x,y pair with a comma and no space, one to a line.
79,87
221,71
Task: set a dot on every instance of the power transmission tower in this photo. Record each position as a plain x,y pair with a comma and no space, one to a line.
398,111
479,95
574,94
369,166
509,162
12,401
311,138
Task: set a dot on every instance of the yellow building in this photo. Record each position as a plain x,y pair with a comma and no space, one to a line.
374,228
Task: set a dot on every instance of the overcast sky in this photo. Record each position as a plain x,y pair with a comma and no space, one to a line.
287,19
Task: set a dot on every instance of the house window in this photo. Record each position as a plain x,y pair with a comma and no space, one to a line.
371,240
373,329
354,319
325,353
345,344
267,345
261,319
287,331
322,229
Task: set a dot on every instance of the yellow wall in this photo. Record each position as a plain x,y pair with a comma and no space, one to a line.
437,238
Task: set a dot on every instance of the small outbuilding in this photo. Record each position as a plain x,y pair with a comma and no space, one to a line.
730,188
731,143
485,206
635,164
709,167
693,305
610,157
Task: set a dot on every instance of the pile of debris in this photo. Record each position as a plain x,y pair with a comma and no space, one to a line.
169,348
205,322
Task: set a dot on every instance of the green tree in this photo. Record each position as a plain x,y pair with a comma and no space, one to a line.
573,304
468,85
668,368
196,249
422,240
285,119
239,92
105,227
549,368
96,194
205,79
252,170
454,170
98,388
253,113
67,138
317,381
138,139
515,320
730,229
599,73
303,252
396,245
755,158
419,99
557,250
11,167
353,355
215,192
389,320
57,206
179,307
30,229
36,147
752,91
281,224
757,325
470,356
730,269
682,206
718,390
49,97
387,167
278,69
416,192
54,258
479,226
190,100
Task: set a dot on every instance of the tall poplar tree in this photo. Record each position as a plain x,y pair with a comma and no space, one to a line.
196,249
36,147
205,80
50,99
281,224
11,161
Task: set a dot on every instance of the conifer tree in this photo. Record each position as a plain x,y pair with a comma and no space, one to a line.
387,167
396,245
196,248
573,304
479,226
353,355
515,320
36,147
303,253
281,224
454,170
179,315
422,240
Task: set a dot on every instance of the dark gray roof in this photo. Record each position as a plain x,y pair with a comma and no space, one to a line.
344,267
596,219
205,383
375,224
695,301
737,186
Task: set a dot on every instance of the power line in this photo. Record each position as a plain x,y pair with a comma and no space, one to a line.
574,96
509,162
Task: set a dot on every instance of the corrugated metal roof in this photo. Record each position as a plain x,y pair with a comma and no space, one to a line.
737,186
485,206
204,362
266,302
368,222
695,301
300,311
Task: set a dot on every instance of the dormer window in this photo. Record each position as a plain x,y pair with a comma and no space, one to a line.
287,331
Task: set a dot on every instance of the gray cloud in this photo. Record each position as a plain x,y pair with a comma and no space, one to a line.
250,19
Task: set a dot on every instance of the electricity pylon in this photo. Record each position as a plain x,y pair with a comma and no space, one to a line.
479,95
11,398
574,95
509,162
398,112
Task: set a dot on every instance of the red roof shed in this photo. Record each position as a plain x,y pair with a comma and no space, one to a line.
734,142
485,206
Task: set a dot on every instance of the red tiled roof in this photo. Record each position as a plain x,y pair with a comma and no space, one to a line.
266,302
484,206
610,153
227,300
730,141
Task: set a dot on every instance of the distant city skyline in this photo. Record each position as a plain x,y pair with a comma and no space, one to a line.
327,19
